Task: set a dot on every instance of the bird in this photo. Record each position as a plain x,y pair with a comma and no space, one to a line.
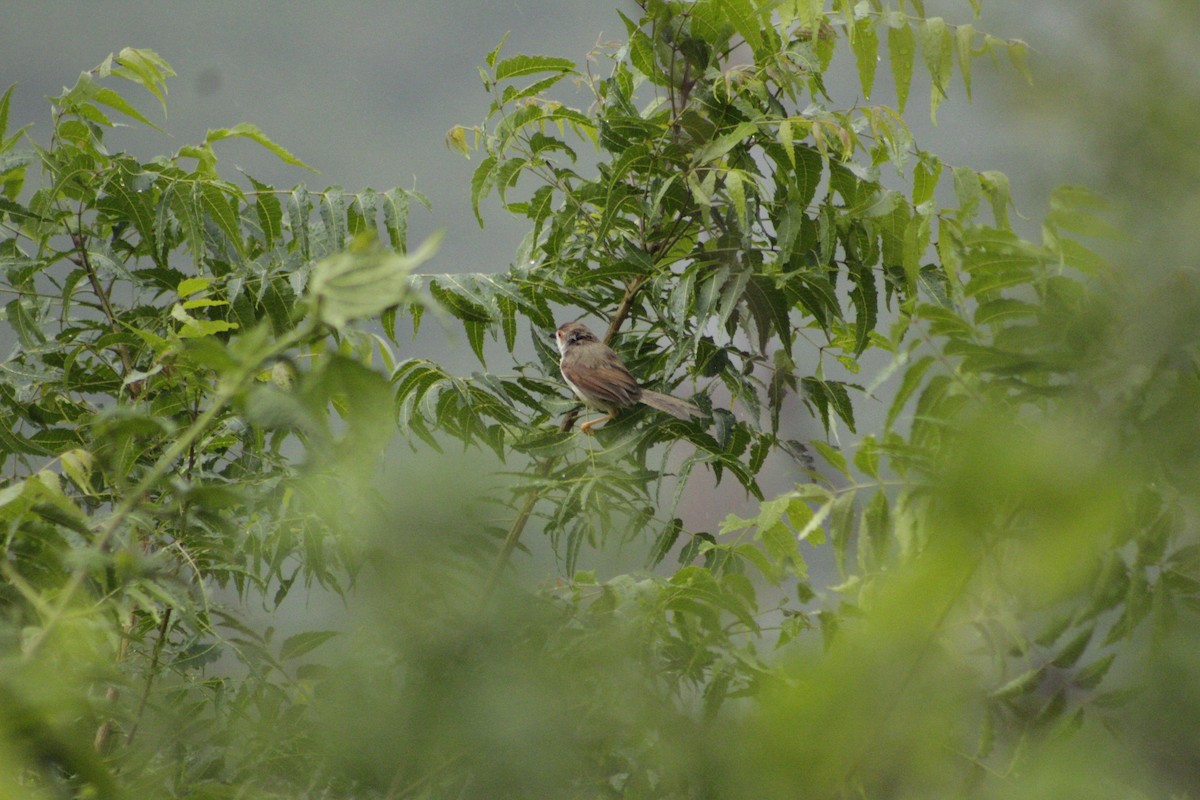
601,380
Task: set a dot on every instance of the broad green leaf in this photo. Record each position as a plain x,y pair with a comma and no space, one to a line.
1071,208
195,328
937,48
866,53
191,286
866,459
86,89
737,197
1017,51
718,147
902,50
78,464
787,138
475,332
744,18
359,284
5,100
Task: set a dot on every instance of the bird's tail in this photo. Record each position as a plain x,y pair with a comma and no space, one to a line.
681,409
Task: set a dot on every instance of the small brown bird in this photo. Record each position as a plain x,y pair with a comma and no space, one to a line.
595,373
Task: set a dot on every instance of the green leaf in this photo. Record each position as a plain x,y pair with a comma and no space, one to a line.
5,100
395,216
269,212
865,297
144,67
1017,51
913,377
723,144
744,18
360,284
902,49
925,179
494,52
937,47
1074,648
190,286
1022,684
87,89
220,209
866,53
519,66
482,182
253,133
302,643
964,41
835,457
475,332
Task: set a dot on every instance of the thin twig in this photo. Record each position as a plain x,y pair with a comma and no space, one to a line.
85,263
158,648
104,732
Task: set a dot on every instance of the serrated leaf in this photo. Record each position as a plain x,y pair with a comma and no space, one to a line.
866,53
395,218
902,50
937,48
220,210
269,212
494,52
519,66
744,19
252,132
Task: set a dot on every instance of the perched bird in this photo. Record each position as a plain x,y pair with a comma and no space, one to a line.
596,374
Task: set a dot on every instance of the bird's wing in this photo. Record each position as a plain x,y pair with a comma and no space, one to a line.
608,383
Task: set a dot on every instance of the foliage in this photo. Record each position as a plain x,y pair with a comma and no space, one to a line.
195,422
